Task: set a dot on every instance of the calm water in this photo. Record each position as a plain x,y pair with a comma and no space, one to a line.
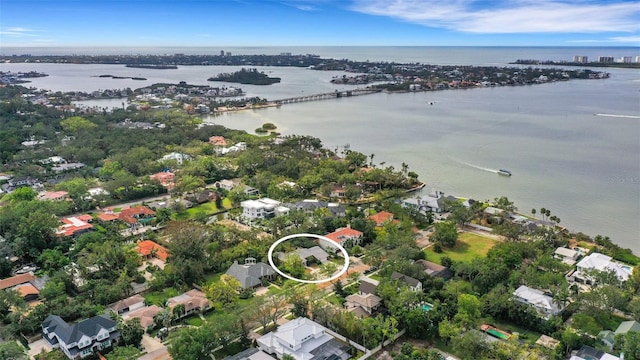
585,168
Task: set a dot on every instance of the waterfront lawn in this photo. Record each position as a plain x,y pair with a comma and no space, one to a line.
468,247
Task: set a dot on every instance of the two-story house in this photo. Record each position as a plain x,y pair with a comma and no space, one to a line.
303,339
264,208
82,339
344,236
541,302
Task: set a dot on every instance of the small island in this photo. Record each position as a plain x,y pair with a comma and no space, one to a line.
246,76
266,127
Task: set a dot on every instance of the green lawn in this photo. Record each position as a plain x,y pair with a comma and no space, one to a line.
160,297
207,208
523,333
468,247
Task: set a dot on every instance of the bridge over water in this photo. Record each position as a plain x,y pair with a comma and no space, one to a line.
325,96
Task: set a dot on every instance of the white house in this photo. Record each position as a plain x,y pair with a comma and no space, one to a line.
543,303
264,208
599,262
567,256
303,339
80,340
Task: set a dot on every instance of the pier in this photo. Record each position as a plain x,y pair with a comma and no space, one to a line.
324,96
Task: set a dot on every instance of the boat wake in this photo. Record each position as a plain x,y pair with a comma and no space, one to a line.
619,116
495,171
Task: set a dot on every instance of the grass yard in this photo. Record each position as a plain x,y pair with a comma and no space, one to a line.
160,297
205,209
523,333
468,247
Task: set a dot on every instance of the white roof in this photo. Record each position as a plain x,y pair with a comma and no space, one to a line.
601,262
536,297
301,331
563,251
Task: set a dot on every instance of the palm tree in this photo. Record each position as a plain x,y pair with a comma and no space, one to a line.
371,159
533,212
542,212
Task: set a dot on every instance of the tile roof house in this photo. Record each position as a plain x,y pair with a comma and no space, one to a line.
27,285
303,339
217,141
193,301
165,178
251,273
148,249
414,284
145,314
82,339
74,225
600,262
381,218
129,304
54,195
435,270
345,235
135,215
541,302
369,302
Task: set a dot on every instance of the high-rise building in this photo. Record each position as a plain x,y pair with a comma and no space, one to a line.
605,59
581,59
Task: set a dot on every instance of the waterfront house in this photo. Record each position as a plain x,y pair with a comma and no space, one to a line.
599,262
567,256
541,302
303,339
82,339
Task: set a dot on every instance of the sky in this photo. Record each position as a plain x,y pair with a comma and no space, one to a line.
95,23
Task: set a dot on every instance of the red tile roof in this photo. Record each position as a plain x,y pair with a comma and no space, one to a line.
131,215
164,178
54,195
16,280
218,141
344,234
107,217
147,247
73,224
381,217
27,289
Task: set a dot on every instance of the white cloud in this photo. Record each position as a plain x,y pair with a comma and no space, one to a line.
17,31
631,39
508,17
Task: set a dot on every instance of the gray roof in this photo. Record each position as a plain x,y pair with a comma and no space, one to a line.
250,275
367,287
311,205
316,251
73,333
627,326
404,278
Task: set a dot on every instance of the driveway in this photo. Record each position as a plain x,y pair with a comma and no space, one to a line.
155,350
37,346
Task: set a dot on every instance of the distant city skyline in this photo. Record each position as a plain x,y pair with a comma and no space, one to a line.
64,23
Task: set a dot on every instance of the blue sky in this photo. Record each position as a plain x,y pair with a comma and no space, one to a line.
319,22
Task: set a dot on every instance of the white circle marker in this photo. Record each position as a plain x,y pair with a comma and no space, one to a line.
320,237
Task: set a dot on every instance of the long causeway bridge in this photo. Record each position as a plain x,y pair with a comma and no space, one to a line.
324,96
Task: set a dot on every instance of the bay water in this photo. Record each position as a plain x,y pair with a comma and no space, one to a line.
566,151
